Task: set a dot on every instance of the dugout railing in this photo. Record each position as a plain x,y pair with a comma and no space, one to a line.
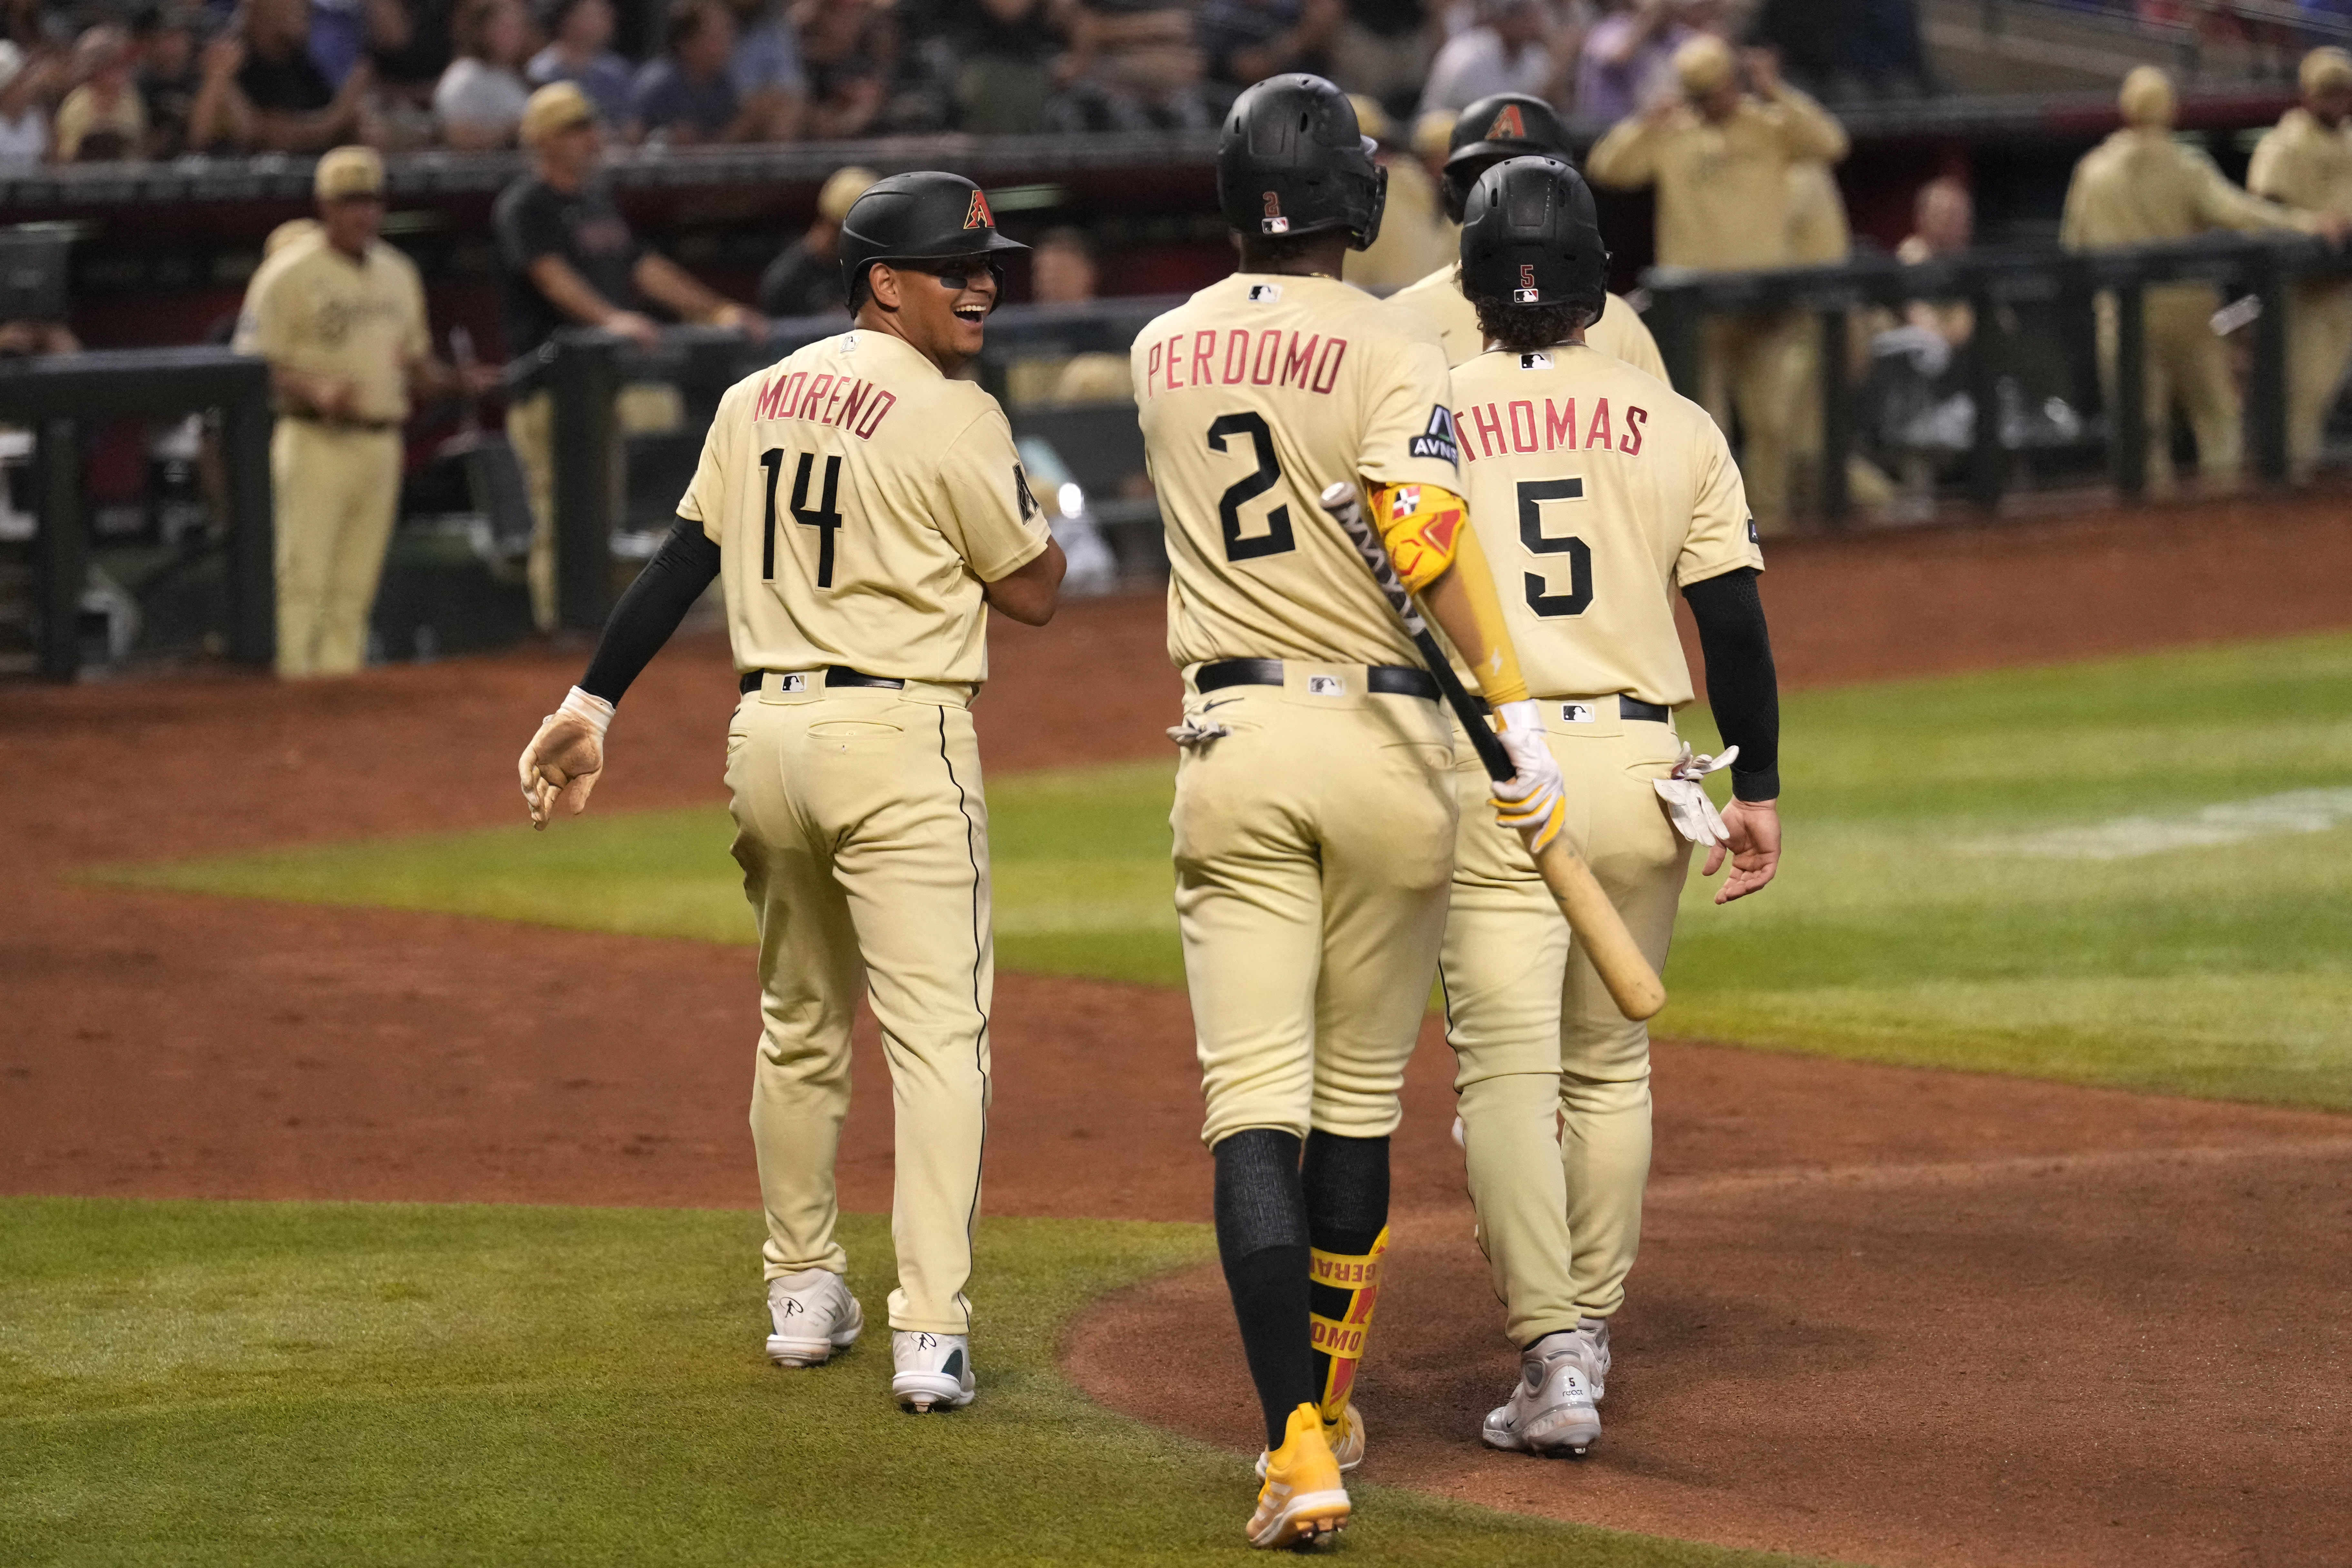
60,397
2255,274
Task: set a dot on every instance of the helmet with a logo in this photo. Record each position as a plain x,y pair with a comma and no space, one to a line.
1529,237
1498,126
1292,159
924,217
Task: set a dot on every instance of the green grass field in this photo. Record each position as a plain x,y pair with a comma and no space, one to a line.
338,1383
2136,872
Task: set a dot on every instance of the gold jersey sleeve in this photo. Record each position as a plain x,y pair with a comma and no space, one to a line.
1597,492
859,500
1438,299
312,308
1254,396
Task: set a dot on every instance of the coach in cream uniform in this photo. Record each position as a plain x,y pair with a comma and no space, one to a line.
2305,161
339,316
1597,491
860,507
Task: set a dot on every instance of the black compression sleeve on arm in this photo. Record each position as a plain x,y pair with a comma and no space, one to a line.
1741,686
651,609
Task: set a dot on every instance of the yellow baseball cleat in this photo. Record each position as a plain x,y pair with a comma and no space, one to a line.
1345,1438
1303,1500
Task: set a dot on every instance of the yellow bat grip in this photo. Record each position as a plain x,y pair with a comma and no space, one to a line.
1601,931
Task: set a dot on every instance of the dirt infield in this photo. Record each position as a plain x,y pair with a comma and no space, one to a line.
1905,1316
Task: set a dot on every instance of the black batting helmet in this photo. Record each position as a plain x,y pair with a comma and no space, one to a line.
1291,160
924,217
1501,125
1529,237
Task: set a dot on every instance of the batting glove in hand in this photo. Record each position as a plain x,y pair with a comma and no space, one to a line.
1532,801
564,759
1694,814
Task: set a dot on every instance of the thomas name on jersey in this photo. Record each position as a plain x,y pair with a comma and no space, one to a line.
1236,356
858,407
1495,430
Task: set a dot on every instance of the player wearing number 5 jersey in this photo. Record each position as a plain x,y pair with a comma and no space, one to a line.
1314,818
860,508
1597,492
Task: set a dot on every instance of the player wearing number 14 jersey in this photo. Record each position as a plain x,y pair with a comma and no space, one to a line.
859,506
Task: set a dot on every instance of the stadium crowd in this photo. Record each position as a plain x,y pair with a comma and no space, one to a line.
92,80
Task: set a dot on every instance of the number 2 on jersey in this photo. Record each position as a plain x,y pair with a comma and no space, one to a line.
1533,493
1276,539
825,520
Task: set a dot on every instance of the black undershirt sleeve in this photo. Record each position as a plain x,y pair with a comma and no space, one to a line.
1741,686
650,610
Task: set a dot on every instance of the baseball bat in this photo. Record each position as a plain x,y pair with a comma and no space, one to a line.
1600,929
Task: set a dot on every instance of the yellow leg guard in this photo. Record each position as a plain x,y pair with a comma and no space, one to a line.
1344,1290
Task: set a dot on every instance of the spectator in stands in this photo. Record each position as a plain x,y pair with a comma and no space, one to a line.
2305,161
1719,157
2140,186
169,75
767,69
342,31
686,96
1011,56
481,96
1627,60
102,119
579,50
1518,45
270,97
1062,271
806,279
1416,237
1248,40
566,256
1135,66
411,43
27,83
1383,49
339,316
846,48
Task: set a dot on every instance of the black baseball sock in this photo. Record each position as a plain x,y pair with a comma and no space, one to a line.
1261,1240
1346,1187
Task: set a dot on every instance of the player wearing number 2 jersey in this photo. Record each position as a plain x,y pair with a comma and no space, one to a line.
1314,820
859,506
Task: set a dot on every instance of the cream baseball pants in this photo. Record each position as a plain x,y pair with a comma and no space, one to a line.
863,836
335,489
1314,841
1554,1081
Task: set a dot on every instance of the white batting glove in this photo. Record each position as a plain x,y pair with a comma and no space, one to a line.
1692,813
566,757
1533,800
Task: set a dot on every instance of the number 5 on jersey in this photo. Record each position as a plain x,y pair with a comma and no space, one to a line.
824,518
1533,493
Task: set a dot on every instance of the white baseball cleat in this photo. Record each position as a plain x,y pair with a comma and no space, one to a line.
813,1316
1550,1409
933,1370
1594,1331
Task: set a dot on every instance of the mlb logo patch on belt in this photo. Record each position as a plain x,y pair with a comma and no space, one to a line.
1325,686
1575,713
791,683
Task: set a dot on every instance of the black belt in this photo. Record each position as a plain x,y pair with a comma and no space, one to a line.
836,676
1392,680
1627,708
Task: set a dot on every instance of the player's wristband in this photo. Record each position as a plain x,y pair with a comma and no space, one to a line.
590,709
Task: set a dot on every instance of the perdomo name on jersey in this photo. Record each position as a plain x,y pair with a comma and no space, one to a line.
856,407
1237,356
1494,430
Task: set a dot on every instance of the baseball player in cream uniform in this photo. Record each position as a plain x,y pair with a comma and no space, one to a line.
860,507
1511,125
1315,813
1597,492
2305,161
339,316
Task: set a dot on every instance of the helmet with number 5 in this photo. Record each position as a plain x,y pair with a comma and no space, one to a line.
1529,237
